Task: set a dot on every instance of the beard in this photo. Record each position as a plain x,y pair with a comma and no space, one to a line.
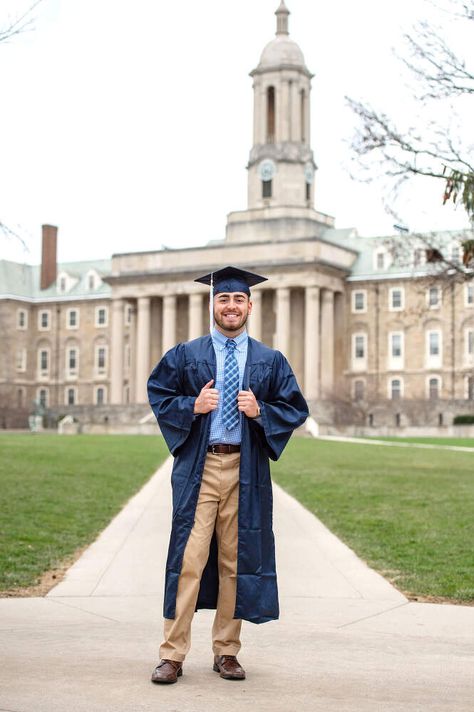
235,326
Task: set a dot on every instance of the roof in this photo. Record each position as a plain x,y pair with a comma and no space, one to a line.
23,281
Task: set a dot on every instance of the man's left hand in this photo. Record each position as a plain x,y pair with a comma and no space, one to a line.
248,403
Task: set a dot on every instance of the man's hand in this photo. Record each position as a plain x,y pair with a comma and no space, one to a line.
248,404
207,400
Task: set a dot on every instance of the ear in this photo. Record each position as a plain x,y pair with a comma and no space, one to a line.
250,306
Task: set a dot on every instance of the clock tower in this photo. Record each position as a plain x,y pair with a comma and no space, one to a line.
281,166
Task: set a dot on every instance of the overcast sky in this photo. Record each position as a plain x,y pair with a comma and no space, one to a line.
128,123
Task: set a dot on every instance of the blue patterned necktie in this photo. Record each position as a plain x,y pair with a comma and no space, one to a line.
230,411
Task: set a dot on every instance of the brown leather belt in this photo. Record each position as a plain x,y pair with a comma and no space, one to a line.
223,449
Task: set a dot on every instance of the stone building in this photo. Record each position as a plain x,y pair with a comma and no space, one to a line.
374,339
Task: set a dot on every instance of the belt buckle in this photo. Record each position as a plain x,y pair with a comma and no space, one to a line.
212,449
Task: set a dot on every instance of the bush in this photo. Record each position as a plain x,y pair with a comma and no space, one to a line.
463,420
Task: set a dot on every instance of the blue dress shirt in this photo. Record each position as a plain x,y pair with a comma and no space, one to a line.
219,433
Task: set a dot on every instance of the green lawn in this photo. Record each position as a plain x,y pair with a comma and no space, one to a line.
58,492
408,512
463,442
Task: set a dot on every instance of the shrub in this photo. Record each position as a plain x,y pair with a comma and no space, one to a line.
463,420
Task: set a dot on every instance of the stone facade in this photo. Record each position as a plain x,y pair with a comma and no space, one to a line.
374,340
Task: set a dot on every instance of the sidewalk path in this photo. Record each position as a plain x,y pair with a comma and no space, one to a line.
394,443
347,641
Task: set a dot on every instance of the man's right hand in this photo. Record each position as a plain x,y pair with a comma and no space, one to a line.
207,400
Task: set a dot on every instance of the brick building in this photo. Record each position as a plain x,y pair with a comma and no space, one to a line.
374,335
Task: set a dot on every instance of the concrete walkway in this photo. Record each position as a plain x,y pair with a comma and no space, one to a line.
347,641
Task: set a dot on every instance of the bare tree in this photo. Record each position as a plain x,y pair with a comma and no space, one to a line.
9,29
17,25
431,148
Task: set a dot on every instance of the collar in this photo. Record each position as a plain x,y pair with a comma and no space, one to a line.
219,339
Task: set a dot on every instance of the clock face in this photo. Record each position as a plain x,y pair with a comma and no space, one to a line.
309,173
267,169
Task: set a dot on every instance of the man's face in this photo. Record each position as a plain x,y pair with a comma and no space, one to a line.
231,310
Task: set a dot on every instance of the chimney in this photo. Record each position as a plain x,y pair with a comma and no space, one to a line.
49,256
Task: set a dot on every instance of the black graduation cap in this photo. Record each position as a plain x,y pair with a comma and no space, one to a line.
228,279
231,279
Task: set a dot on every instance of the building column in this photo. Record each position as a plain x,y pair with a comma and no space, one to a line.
295,112
169,322
116,365
327,343
283,320
255,319
143,349
311,343
195,316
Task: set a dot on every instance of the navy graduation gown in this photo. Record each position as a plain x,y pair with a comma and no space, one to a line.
173,387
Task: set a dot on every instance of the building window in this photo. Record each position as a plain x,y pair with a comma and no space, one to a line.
43,397
270,114
456,254
266,188
359,301
469,345
101,316
100,395
419,257
44,320
434,297
128,314
434,387
359,389
20,398
308,191
359,347
381,261
71,396
396,299
72,361
43,361
21,360
470,387
395,349
469,295
62,284
395,388
127,359
359,351
90,282
72,318
22,319
101,359
433,349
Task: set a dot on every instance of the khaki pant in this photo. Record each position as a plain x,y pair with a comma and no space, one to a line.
217,507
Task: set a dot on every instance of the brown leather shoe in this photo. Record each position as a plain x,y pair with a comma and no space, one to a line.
228,667
167,671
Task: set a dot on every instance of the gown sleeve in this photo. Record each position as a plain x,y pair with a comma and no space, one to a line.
173,409
283,411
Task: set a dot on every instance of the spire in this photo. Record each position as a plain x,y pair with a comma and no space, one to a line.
282,19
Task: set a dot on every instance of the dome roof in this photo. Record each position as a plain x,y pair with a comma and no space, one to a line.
281,51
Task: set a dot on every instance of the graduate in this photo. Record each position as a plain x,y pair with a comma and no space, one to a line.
226,404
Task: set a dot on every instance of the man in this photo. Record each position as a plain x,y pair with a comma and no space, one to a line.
225,404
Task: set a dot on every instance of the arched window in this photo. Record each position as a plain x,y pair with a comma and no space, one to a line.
395,388
270,114
433,387
20,398
70,396
359,390
266,189
470,387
